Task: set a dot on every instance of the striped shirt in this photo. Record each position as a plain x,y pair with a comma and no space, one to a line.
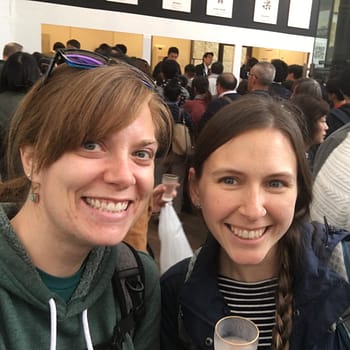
255,301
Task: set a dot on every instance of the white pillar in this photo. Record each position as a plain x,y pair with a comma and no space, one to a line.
237,60
147,48
6,23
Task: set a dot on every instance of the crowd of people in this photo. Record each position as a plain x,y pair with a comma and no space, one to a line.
85,137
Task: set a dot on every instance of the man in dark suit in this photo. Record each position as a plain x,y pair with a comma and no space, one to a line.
203,68
225,86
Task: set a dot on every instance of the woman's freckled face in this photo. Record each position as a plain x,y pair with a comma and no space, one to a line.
93,195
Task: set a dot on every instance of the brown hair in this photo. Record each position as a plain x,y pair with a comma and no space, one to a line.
10,49
74,106
313,109
262,112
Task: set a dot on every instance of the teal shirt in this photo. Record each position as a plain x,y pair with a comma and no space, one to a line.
62,286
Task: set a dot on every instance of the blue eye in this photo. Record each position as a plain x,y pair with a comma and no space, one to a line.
91,146
228,180
144,154
276,184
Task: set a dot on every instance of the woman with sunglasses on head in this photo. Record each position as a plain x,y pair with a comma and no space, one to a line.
87,139
262,259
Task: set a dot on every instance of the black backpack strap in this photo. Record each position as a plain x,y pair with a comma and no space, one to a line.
129,289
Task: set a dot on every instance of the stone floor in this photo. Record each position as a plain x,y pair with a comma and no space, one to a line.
194,228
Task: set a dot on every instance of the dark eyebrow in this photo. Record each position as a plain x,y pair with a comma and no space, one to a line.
281,174
285,174
227,170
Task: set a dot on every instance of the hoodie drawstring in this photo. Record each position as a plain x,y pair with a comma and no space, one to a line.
53,323
87,335
53,326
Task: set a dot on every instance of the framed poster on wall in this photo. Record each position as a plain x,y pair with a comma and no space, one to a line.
297,18
220,8
177,5
266,11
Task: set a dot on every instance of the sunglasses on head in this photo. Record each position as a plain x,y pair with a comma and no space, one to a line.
84,59
76,58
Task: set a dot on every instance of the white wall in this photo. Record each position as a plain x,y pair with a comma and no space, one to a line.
22,20
6,28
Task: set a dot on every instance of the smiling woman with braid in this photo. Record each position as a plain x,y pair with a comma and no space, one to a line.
262,259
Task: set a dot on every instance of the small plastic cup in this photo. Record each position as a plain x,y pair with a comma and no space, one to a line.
170,181
236,333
